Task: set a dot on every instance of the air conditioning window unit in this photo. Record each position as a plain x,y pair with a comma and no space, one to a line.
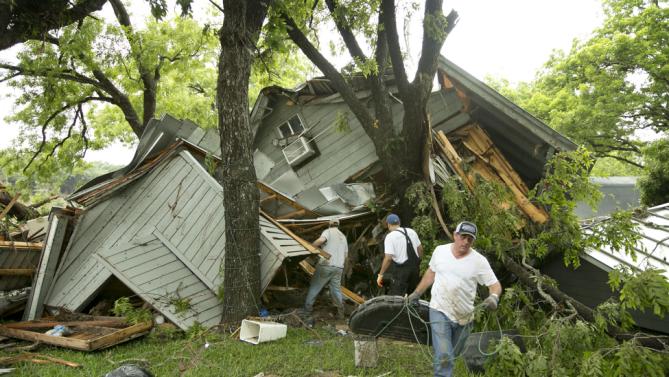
298,151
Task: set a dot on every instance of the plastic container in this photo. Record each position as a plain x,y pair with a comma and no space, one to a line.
255,332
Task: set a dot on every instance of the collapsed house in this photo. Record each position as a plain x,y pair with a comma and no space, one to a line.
156,227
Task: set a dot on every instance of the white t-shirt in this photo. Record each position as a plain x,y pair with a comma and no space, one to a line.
395,244
335,245
454,287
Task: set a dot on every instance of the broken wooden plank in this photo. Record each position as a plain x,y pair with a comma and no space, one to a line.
26,325
16,245
453,157
17,271
307,245
121,336
94,339
292,215
477,141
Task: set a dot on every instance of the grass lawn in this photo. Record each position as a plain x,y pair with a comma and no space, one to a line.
303,352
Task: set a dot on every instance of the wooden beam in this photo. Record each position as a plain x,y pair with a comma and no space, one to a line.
300,240
453,157
34,246
27,325
292,215
17,271
268,198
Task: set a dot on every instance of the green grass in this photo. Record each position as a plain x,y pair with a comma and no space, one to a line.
295,355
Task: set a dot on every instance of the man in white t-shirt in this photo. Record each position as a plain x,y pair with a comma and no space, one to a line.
329,271
403,249
455,270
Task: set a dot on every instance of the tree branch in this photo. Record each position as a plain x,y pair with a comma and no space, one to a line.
65,75
148,79
427,64
32,22
345,32
336,79
390,30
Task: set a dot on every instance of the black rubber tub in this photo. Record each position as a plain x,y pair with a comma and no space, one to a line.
388,317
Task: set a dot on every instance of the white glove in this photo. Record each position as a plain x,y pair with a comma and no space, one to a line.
491,302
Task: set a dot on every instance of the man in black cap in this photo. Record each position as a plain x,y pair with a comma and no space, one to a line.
403,249
454,272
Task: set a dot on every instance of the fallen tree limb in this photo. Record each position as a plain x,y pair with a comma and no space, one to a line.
18,210
585,312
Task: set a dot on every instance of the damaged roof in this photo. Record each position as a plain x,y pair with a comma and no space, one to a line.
652,248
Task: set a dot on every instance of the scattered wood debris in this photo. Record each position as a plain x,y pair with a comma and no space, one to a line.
88,335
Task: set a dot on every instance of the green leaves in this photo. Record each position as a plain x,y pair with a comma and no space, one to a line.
605,89
642,290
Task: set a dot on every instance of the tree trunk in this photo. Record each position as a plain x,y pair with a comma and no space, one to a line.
236,173
19,211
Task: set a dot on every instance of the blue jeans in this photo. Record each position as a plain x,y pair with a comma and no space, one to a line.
448,339
325,275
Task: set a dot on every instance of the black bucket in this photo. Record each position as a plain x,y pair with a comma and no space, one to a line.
474,359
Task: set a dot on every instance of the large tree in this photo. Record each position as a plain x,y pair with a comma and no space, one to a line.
401,153
239,38
607,89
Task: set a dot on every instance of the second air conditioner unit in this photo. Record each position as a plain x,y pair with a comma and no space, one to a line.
298,151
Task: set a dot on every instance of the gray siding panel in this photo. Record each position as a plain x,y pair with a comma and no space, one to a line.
171,280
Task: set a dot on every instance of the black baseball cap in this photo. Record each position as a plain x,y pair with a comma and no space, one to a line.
467,227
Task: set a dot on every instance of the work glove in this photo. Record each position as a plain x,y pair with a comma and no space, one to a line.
379,280
491,302
412,299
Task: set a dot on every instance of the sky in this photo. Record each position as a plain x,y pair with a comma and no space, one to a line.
508,39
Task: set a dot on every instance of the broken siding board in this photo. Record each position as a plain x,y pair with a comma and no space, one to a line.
153,290
152,205
169,224
345,171
82,285
214,269
92,225
199,230
55,235
181,224
17,259
143,198
191,265
108,222
203,243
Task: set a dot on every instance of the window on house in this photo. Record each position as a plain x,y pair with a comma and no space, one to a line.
292,126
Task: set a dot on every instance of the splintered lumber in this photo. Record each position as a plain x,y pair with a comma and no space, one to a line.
85,337
310,270
477,141
453,157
